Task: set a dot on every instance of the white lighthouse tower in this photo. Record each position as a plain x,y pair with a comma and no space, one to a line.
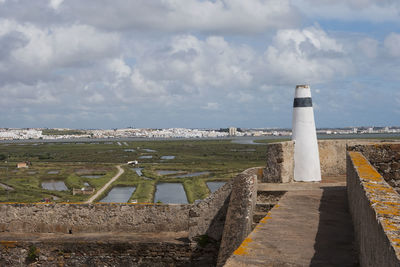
306,156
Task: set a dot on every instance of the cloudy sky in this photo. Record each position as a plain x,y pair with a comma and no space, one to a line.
197,63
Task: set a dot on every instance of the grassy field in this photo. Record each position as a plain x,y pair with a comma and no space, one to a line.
70,162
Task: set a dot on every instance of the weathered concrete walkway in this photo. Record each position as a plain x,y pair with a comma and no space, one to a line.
308,227
100,191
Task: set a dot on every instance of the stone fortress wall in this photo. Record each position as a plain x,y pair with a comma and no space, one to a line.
92,218
373,177
280,162
385,157
375,209
129,234
373,200
203,233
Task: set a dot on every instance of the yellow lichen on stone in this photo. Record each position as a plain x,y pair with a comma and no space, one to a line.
364,168
242,249
388,225
265,219
8,244
383,198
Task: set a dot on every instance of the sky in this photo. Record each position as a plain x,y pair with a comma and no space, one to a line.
197,63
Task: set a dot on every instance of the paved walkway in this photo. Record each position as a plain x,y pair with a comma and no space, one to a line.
308,227
101,190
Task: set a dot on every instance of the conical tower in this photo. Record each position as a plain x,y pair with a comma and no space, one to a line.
306,156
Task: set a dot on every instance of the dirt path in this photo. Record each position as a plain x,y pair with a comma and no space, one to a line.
101,190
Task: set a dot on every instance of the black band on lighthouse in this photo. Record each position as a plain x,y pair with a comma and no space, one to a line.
302,102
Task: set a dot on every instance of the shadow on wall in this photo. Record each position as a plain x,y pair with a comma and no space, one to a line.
335,241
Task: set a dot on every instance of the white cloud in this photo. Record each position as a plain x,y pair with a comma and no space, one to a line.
145,86
55,4
30,53
307,55
392,44
119,67
369,47
63,46
145,60
181,15
96,98
211,106
351,10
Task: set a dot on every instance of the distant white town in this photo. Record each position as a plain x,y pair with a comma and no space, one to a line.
65,133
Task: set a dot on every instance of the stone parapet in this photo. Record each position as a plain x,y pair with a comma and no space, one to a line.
110,249
207,217
239,217
332,156
90,218
385,157
375,209
280,163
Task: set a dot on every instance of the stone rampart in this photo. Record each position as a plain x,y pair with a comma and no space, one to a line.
375,210
123,234
91,218
385,157
239,217
101,253
332,156
207,217
280,161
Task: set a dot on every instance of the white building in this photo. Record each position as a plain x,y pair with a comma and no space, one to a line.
232,131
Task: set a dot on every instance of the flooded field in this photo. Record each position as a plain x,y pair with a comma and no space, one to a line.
214,186
93,176
170,193
54,185
72,163
167,172
138,171
193,174
167,157
119,194
149,150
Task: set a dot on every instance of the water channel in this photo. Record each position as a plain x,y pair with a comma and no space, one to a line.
119,194
170,193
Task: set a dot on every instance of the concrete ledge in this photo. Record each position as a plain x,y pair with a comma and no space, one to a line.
375,210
